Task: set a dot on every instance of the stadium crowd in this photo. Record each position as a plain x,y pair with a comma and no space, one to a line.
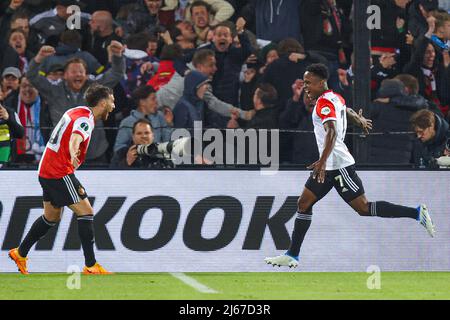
227,63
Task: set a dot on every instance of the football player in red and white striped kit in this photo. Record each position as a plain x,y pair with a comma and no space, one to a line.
335,167
64,153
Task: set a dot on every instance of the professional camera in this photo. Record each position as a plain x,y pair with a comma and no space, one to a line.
179,147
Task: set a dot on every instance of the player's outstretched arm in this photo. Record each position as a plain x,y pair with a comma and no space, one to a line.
359,120
74,149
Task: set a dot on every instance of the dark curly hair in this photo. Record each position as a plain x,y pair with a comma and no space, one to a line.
319,69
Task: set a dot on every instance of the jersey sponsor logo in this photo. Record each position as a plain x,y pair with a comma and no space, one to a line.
325,111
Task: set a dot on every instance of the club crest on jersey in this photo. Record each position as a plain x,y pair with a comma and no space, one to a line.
325,111
84,126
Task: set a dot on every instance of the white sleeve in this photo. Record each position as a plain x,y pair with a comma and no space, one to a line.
84,127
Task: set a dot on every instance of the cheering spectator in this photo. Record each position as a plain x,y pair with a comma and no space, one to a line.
392,117
10,128
283,72
204,61
140,65
191,106
433,74
418,14
16,53
184,35
218,10
297,115
265,100
27,103
102,34
147,15
166,69
69,93
230,59
9,82
14,7
50,24
70,48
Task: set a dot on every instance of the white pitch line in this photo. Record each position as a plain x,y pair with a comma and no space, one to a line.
193,283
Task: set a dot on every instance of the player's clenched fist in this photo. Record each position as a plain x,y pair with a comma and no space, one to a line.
44,52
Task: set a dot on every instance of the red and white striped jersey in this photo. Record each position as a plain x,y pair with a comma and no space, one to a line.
331,106
56,161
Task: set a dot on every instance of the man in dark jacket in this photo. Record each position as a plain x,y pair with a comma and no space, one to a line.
275,19
265,101
298,115
283,72
229,61
434,133
191,106
69,93
392,116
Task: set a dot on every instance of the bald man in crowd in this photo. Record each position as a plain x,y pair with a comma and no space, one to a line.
102,33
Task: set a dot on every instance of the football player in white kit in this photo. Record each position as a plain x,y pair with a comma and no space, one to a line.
335,167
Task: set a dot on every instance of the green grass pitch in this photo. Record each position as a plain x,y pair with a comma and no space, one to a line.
229,286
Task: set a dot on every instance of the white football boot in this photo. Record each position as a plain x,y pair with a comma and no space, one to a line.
425,220
282,260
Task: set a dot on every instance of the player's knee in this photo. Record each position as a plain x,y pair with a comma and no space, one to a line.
303,205
362,210
53,218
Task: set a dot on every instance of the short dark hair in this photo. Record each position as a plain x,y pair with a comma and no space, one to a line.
409,81
141,93
75,60
95,93
19,14
200,3
138,41
144,121
422,119
201,56
290,45
227,24
319,69
171,52
267,94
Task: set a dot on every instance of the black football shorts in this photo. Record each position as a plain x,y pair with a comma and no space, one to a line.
62,192
345,181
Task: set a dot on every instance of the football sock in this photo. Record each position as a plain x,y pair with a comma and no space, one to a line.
86,234
38,230
301,226
389,210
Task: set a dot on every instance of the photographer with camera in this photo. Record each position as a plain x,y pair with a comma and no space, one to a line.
434,133
143,152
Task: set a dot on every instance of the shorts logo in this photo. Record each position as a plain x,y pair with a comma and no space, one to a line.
325,111
84,126
81,191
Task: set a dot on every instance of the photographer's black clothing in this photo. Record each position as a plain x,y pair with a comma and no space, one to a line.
119,160
426,153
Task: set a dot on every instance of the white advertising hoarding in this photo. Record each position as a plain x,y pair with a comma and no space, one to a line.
187,221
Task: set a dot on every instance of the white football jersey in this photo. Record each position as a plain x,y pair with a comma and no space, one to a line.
331,106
